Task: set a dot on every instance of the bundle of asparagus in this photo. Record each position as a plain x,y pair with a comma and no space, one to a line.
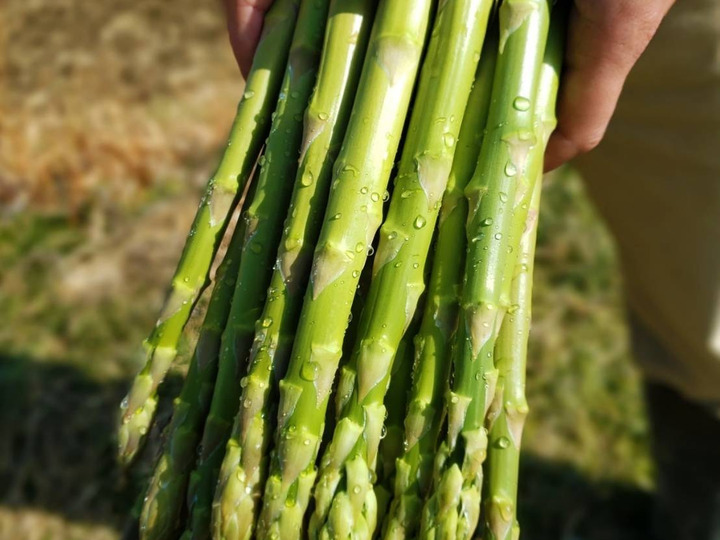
421,395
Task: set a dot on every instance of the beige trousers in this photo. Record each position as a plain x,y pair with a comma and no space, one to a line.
656,180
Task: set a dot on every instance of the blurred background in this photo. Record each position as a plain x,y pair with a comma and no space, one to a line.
112,116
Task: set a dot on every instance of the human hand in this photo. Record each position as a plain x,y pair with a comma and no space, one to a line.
605,39
245,22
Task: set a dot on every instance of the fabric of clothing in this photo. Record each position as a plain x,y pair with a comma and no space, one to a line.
656,180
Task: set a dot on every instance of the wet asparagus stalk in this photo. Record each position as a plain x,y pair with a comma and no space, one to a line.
165,497
432,369
248,132
507,414
245,463
263,229
353,215
499,181
344,492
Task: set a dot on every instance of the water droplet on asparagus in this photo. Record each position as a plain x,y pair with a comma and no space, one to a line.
521,103
309,370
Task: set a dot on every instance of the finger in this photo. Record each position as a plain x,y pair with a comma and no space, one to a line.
245,22
605,39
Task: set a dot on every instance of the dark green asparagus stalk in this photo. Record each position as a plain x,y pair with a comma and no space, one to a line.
396,403
344,493
432,368
221,194
352,218
499,181
244,467
165,497
263,223
507,414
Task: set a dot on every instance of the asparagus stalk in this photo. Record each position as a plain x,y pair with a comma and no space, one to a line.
500,180
264,220
245,463
221,194
396,402
353,215
431,372
509,410
344,491
164,500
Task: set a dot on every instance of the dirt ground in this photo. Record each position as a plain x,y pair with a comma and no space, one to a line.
111,118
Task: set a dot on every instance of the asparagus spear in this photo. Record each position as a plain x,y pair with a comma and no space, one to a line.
221,194
396,401
499,181
160,516
264,220
426,410
244,467
344,491
351,220
507,414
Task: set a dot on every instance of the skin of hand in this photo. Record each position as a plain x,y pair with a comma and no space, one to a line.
605,39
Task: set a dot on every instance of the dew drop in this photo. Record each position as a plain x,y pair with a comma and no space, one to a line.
248,94
266,322
336,217
449,140
419,222
323,116
510,169
503,442
487,222
498,236
364,190
375,197
503,197
309,371
521,103
307,179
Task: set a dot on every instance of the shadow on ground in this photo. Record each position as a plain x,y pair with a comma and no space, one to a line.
57,445
57,455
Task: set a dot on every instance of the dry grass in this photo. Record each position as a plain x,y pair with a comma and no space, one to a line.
111,114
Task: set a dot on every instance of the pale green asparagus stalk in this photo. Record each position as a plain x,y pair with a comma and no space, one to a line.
344,492
221,194
499,181
245,464
165,496
431,373
264,223
507,414
353,216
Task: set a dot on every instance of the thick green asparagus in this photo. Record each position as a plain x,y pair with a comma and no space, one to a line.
221,194
264,220
353,216
498,182
165,497
344,491
507,414
245,463
432,369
